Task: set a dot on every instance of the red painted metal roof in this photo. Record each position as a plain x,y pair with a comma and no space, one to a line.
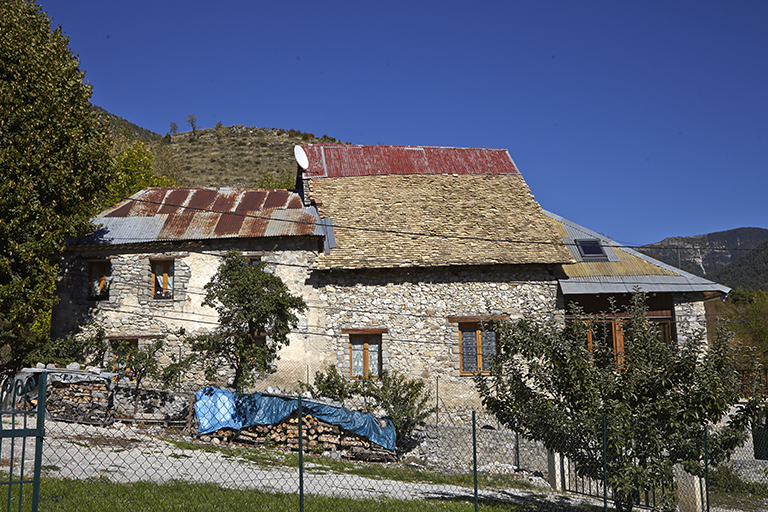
192,213
336,161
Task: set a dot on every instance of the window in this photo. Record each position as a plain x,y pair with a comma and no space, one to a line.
121,356
591,250
609,334
162,279
477,344
365,355
99,273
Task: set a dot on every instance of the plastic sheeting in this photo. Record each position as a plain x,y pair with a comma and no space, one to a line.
219,408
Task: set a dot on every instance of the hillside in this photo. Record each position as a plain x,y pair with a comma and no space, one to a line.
748,272
121,128
236,155
705,254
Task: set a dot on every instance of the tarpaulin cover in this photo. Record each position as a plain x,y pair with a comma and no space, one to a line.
219,408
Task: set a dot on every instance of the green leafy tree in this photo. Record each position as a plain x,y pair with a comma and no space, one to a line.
656,398
134,171
88,350
748,316
55,161
282,180
220,131
139,364
256,314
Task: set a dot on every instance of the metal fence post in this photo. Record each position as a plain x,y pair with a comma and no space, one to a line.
706,466
301,462
42,389
474,454
605,465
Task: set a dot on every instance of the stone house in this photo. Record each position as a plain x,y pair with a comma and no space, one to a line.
606,271
431,243
404,254
141,275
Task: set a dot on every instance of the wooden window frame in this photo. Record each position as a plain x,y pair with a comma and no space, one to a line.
104,269
168,270
113,342
662,317
479,328
367,335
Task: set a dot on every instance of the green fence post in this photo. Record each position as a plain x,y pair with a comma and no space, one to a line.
706,466
42,390
605,465
474,454
301,463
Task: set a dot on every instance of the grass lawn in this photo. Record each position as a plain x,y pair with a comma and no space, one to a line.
102,495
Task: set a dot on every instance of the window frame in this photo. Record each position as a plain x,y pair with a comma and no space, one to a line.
168,271
369,337
582,243
479,328
104,268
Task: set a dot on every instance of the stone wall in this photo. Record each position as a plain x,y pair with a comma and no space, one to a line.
418,309
451,447
129,311
690,315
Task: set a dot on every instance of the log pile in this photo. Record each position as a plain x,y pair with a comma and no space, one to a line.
317,437
81,402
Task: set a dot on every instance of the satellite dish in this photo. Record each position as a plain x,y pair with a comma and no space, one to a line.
301,157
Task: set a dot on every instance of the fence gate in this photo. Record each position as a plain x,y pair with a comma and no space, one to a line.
22,427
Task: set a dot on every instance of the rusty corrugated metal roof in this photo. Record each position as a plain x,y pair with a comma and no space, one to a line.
336,161
195,213
624,269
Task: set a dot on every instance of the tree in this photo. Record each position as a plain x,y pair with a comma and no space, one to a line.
174,128
748,315
220,131
55,161
282,180
558,385
134,171
256,314
140,363
192,122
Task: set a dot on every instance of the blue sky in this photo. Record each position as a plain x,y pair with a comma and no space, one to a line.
640,120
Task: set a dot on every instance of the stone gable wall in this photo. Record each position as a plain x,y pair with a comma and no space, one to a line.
416,306
130,312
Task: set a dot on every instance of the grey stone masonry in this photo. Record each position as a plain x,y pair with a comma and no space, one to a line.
421,310
129,310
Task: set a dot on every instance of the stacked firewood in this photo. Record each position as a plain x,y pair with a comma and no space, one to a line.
81,402
317,437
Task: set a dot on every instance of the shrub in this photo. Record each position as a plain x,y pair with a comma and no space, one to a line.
403,400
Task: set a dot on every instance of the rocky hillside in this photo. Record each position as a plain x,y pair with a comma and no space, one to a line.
236,155
123,129
704,254
749,272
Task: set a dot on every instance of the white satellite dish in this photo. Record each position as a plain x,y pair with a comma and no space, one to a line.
301,157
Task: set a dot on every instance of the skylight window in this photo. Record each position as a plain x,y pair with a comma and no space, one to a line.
591,250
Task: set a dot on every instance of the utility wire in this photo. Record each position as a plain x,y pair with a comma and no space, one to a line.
404,233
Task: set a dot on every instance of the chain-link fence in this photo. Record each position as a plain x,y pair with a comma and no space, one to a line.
305,462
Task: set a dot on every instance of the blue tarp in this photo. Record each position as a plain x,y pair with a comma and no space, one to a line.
219,408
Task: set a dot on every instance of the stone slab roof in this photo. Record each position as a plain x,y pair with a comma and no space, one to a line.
429,219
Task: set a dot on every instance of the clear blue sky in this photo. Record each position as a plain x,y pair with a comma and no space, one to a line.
640,120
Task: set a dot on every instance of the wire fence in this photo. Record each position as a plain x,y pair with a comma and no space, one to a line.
304,463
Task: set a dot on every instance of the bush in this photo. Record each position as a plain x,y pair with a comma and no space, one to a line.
403,400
